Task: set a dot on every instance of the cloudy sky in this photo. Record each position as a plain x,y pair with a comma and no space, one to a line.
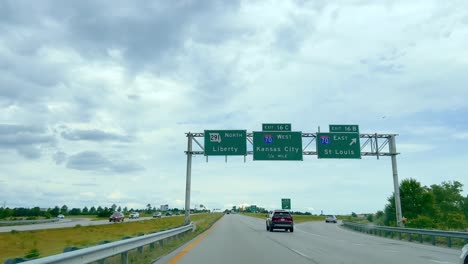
96,98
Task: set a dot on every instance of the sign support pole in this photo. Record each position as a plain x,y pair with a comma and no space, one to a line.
188,178
396,185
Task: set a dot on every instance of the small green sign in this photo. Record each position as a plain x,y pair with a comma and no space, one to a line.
276,127
277,145
286,203
344,128
338,146
225,142
253,208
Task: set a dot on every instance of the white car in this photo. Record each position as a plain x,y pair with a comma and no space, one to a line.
134,215
330,219
464,255
60,216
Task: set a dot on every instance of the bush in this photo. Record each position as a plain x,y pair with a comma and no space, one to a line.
421,221
34,253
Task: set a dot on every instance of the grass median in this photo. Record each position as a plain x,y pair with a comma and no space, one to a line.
53,241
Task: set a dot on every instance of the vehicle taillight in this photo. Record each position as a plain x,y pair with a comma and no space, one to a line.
275,218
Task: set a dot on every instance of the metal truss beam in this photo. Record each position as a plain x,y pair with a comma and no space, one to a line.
370,146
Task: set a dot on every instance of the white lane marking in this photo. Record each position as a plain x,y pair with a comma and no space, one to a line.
357,244
390,250
300,253
441,262
311,233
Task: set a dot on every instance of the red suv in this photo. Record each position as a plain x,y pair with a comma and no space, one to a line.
280,219
116,217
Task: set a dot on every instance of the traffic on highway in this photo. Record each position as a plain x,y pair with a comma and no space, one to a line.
273,131
241,239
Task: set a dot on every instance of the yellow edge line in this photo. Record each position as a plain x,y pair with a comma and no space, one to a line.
191,245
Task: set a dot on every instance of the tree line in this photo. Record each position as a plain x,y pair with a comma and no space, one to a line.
98,211
439,206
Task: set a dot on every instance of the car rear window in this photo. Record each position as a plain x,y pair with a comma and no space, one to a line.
282,214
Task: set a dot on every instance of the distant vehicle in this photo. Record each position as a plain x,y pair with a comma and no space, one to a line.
60,216
331,219
177,213
464,255
168,214
157,215
134,215
116,217
280,219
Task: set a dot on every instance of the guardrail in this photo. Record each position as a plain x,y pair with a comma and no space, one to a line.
102,252
28,222
390,231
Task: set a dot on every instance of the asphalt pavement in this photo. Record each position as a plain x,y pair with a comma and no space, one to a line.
242,239
63,223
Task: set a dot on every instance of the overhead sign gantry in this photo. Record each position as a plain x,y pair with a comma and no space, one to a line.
277,141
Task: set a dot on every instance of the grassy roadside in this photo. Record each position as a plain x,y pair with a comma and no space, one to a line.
53,241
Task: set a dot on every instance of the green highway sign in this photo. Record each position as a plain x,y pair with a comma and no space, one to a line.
276,127
225,142
344,128
286,203
338,145
276,145
253,208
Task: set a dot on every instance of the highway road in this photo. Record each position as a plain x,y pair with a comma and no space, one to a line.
242,239
62,223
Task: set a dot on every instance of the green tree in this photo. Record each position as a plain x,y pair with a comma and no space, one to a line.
36,211
75,211
54,212
114,206
415,200
85,210
5,212
119,209
92,210
64,210
450,205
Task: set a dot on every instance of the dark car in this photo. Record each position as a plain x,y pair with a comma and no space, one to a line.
117,217
280,219
168,214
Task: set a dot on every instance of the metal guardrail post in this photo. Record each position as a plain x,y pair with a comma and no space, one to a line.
124,258
102,252
152,246
409,233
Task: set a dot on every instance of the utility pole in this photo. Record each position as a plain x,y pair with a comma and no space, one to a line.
188,178
396,184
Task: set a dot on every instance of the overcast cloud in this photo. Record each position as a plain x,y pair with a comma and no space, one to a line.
96,98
